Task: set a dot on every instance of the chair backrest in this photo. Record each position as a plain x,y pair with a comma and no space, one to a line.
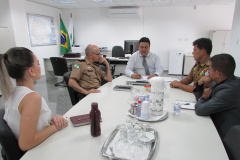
73,94
232,142
117,51
9,143
59,65
103,67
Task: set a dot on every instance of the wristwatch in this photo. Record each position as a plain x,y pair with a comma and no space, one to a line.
201,98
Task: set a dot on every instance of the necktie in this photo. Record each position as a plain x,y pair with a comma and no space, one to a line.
145,65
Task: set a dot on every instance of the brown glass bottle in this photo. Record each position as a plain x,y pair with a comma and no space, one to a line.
95,116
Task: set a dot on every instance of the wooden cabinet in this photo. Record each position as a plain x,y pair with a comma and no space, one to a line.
220,40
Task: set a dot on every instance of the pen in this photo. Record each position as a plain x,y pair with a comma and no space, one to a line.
83,118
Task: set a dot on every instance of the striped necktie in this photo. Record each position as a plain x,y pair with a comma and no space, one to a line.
145,66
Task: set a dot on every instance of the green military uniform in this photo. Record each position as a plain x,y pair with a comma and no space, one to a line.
198,71
87,75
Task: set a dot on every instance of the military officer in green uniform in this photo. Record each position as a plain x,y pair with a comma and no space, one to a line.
86,76
202,49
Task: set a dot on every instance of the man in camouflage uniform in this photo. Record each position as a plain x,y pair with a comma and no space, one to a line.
201,53
86,75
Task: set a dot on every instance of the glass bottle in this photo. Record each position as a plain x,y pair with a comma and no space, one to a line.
95,116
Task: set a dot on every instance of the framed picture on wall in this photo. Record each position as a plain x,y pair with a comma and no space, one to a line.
41,30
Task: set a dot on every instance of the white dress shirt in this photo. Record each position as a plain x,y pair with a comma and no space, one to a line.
135,64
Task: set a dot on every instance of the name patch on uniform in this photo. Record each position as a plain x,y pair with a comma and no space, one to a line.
90,70
206,72
76,66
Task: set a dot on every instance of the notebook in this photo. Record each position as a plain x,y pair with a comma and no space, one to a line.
81,120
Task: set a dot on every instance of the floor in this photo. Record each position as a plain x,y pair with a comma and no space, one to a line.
57,98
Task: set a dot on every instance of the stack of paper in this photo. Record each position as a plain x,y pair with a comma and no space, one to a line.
186,104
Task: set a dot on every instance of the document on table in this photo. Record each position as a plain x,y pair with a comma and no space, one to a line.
186,104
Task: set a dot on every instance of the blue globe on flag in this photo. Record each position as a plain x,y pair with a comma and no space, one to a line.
63,39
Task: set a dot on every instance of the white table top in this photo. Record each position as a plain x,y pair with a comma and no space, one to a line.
184,137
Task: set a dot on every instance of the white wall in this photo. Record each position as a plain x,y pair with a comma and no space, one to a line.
19,10
234,48
6,21
168,27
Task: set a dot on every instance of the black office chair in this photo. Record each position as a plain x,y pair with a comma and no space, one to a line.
60,67
10,149
117,51
104,68
232,142
72,93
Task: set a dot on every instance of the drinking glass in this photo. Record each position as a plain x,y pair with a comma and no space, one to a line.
136,149
144,139
122,145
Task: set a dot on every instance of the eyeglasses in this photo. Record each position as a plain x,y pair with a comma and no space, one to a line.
146,47
96,53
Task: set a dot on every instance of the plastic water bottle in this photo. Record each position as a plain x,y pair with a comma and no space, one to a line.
177,109
139,108
145,110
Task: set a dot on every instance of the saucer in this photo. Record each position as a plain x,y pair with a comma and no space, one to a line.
150,136
152,118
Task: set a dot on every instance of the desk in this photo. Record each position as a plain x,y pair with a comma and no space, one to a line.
187,137
121,64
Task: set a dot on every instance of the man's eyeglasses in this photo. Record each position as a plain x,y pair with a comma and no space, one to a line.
96,53
146,47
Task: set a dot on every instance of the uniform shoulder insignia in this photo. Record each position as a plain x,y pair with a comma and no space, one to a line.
76,66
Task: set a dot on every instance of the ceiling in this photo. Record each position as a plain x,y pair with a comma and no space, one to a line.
135,3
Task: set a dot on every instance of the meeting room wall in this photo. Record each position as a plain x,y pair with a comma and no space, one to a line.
168,27
234,47
6,24
18,17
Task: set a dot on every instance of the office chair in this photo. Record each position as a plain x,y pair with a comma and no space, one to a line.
60,67
10,149
117,51
72,93
232,142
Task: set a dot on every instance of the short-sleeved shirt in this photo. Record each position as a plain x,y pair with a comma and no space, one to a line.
87,75
198,71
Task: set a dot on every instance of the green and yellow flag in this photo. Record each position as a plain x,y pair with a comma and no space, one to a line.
65,41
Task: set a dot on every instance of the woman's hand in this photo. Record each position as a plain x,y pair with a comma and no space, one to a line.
59,122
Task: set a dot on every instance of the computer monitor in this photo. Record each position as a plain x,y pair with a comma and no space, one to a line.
131,46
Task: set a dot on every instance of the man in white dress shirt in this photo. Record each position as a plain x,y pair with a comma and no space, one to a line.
144,62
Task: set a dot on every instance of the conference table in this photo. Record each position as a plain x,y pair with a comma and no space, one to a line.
119,61
183,137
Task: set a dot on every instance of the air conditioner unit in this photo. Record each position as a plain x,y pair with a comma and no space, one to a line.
125,12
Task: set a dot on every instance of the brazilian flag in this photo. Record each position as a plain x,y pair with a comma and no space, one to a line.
65,41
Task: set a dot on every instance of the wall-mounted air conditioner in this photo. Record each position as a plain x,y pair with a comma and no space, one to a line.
125,12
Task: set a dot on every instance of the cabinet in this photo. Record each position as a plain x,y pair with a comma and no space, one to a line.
188,64
220,40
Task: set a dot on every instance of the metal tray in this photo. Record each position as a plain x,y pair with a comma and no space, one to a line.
110,138
152,118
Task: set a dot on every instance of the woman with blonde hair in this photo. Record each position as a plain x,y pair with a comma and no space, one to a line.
26,112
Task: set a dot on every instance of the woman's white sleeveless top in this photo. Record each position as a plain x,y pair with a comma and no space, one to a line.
13,117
